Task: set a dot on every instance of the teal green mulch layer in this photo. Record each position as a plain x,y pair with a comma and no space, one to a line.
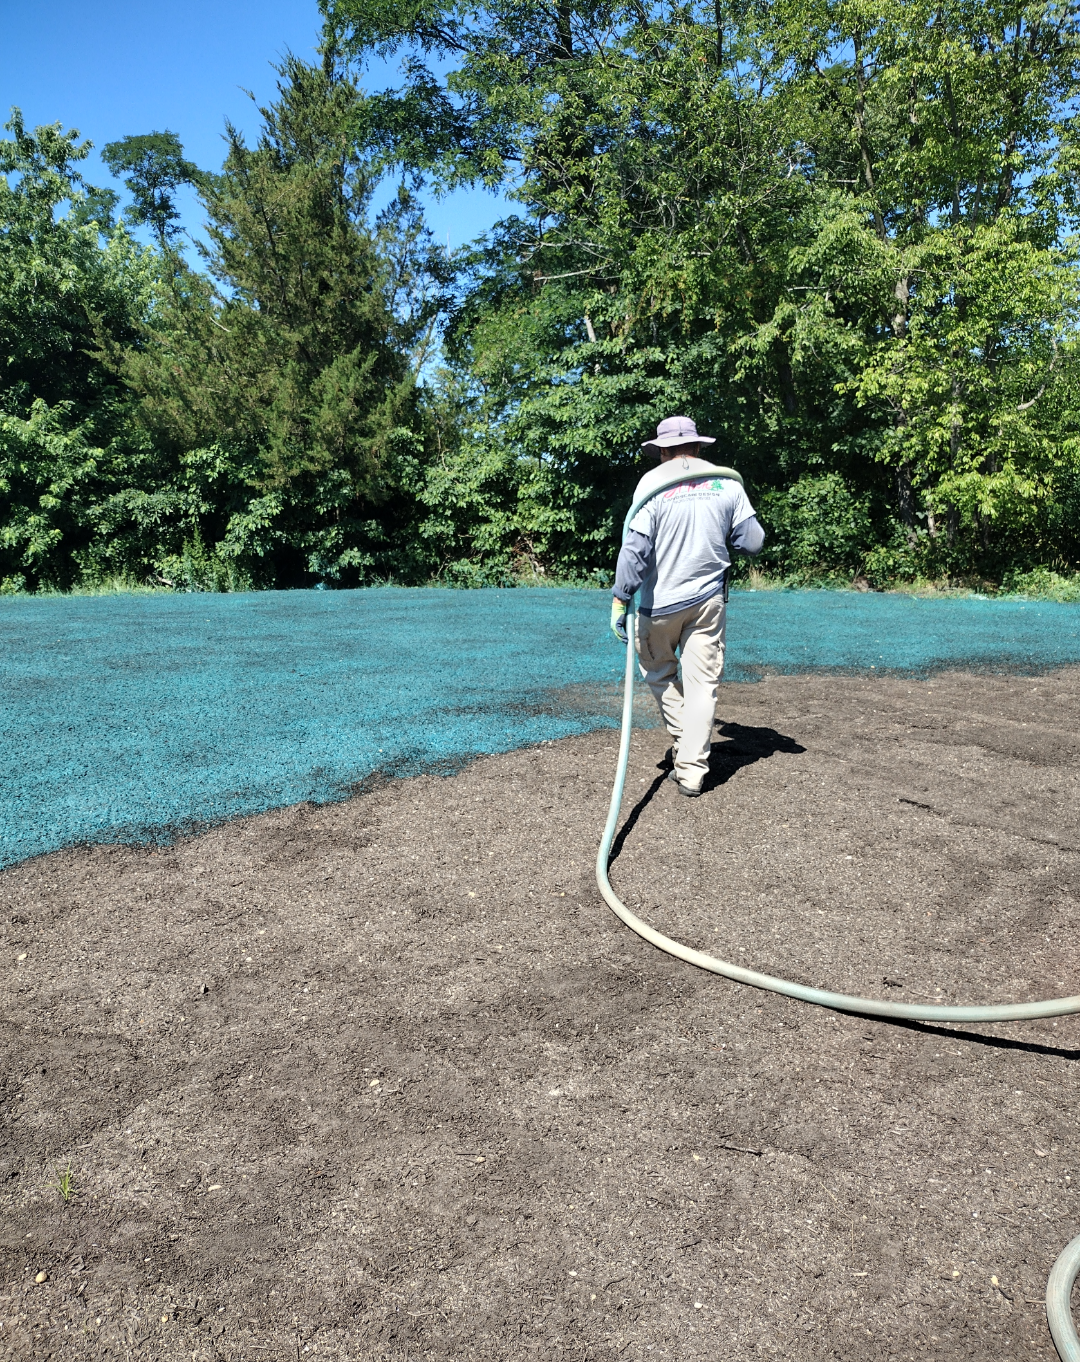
793,631
126,717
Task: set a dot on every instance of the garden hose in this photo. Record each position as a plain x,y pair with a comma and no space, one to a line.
1058,1291
1067,1266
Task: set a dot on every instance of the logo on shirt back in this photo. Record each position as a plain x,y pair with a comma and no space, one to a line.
709,484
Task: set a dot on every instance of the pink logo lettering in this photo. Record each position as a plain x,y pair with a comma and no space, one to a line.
710,483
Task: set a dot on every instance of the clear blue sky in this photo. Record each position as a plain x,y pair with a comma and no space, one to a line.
112,67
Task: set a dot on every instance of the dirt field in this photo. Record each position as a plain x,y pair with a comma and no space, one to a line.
385,1079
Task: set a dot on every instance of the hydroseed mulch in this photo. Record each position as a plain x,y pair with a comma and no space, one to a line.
124,717
385,1080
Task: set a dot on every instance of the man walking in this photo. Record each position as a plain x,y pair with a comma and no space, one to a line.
677,554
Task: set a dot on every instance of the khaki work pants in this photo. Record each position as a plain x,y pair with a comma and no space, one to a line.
685,688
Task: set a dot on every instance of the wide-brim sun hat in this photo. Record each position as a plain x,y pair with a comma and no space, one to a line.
677,430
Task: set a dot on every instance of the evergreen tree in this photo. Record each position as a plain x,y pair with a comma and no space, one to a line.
290,359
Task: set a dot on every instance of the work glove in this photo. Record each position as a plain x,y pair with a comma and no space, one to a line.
618,619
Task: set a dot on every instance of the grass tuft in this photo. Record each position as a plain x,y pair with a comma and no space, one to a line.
65,1184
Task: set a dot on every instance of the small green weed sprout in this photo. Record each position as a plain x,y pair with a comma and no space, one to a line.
65,1184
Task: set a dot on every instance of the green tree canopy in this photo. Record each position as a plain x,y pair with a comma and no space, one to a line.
68,279
152,167
838,233
291,355
58,286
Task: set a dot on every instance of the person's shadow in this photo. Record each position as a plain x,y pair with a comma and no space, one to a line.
746,744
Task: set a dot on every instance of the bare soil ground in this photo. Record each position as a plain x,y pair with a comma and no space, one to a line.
386,1080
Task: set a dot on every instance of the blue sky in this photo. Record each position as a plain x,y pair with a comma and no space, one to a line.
113,67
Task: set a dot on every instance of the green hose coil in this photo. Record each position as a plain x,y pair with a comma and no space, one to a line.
1067,1267
1058,1293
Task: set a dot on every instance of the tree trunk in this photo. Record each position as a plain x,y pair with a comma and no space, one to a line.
905,501
860,131
902,293
785,378
564,37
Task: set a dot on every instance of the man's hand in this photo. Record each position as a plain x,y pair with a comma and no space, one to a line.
618,619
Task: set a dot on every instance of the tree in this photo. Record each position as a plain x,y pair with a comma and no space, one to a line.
660,167
837,232
769,215
153,168
958,139
67,279
58,283
291,356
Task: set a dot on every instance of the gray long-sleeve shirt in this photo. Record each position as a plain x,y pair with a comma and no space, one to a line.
677,548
